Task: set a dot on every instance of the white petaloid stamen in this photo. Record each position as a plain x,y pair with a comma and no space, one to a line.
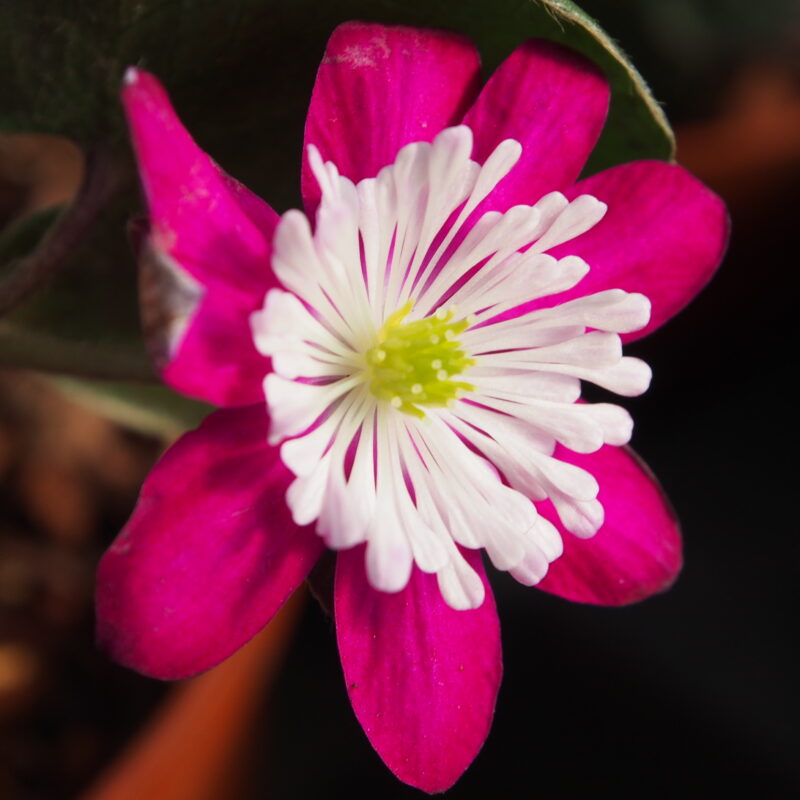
449,459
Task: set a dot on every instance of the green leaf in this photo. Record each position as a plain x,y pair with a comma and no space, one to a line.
636,128
38,347
154,410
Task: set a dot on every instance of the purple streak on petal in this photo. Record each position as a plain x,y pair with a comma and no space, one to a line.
551,100
422,678
209,555
381,87
636,553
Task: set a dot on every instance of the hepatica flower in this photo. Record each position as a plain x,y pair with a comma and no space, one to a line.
400,369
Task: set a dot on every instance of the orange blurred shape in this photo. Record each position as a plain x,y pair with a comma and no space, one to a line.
192,749
47,169
754,144
21,671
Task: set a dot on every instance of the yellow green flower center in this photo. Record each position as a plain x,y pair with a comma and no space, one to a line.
413,364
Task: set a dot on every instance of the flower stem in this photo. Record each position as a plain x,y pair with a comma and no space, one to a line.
101,180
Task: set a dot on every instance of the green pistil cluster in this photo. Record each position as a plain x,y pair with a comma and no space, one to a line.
413,363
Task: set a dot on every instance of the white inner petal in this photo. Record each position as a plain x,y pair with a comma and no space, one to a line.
419,491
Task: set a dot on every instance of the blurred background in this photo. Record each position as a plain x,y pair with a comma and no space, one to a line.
695,690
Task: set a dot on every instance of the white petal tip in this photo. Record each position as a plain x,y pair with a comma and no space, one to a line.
646,380
388,564
464,603
589,201
388,582
460,586
130,76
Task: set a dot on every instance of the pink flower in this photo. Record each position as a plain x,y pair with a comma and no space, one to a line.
422,403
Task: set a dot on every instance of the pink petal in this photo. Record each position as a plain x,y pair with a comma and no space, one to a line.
554,102
422,678
664,235
215,228
208,556
380,87
208,230
198,338
217,360
636,553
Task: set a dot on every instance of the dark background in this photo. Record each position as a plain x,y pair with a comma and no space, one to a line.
692,691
